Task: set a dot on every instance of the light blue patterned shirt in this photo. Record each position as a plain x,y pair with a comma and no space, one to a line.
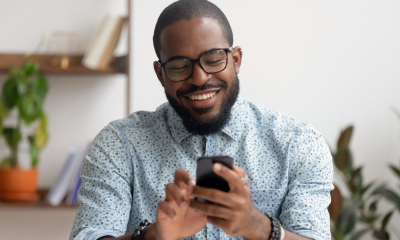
131,160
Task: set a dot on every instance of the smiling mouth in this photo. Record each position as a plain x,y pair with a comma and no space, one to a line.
204,96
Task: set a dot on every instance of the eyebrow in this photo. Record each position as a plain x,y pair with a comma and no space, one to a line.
183,57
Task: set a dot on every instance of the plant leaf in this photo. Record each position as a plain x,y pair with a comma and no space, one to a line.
10,93
369,219
30,67
379,189
395,170
342,159
366,188
4,111
351,222
348,209
30,108
13,136
16,72
385,221
40,137
43,120
40,87
355,173
391,196
345,137
381,235
21,87
359,234
372,206
34,152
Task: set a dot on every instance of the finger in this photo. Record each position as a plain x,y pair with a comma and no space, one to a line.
165,210
212,210
235,184
214,195
183,179
172,192
241,173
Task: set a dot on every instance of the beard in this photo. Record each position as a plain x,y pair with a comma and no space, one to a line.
214,123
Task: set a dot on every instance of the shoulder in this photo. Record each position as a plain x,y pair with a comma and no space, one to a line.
273,120
139,121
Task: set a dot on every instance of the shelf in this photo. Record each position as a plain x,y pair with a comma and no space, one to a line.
8,61
41,204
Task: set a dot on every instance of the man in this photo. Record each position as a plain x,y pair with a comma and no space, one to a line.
143,167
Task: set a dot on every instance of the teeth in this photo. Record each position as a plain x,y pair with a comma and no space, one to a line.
203,96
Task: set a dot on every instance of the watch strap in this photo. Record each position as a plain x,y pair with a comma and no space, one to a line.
138,234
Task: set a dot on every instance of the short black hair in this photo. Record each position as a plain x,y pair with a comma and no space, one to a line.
187,10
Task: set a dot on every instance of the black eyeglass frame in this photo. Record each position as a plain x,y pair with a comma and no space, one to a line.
193,61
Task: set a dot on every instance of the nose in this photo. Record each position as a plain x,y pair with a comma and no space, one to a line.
199,76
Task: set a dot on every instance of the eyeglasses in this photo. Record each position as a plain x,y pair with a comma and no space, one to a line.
181,68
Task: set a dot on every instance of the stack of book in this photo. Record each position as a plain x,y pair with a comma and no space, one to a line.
69,180
101,49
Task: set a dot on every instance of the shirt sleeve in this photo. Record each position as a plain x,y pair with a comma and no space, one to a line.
105,194
304,210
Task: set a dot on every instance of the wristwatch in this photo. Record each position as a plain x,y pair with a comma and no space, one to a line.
277,232
138,234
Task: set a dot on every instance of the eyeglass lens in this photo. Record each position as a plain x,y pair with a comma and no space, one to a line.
212,62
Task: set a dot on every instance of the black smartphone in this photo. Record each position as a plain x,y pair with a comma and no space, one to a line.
205,176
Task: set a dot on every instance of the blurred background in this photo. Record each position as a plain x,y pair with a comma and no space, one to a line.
332,64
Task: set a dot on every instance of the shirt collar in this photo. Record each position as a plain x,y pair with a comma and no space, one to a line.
175,123
233,128
236,122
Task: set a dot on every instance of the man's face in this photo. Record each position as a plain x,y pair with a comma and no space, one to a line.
190,39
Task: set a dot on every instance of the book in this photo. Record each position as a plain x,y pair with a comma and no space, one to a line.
59,190
101,48
72,197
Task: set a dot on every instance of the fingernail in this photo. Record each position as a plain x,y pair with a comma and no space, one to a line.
218,167
192,182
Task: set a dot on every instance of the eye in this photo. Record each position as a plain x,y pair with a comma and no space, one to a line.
213,61
181,68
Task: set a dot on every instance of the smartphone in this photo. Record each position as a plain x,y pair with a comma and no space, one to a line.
205,176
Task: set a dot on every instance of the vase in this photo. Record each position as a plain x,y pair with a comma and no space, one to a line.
18,184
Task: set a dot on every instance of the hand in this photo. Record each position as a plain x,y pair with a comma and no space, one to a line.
236,215
175,219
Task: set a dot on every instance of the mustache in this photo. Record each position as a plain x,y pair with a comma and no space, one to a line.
193,88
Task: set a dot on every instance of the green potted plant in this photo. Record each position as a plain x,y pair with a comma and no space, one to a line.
24,92
361,207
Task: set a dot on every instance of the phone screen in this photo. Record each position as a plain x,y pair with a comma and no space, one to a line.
205,176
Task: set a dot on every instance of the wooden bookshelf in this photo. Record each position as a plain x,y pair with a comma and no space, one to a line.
8,61
42,204
120,65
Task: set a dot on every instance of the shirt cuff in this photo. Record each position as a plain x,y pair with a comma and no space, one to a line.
309,234
93,234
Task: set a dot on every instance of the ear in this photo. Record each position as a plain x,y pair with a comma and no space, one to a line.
158,70
237,58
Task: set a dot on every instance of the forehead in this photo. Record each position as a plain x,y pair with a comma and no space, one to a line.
191,38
